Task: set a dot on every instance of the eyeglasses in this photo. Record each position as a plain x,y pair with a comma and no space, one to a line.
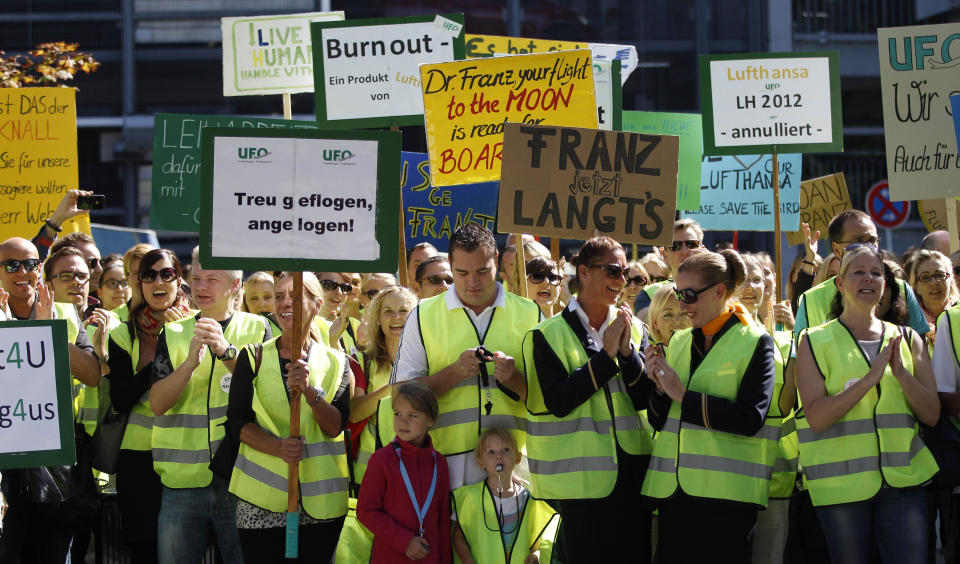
66,276
92,263
656,279
437,279
150,275
690,244
554,279
13,265
639,280
689,295
868,240
612,270
371,294
113,284
926,278
331,286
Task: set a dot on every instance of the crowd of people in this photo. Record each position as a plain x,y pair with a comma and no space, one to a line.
669,409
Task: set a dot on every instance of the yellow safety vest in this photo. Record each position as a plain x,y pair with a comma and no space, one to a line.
356,541
953,321
446,334
706,462
137,434
817,301
876,442
370,437
88,401
651,289
68,313
123,312
575,457
787,454
260,478
185,438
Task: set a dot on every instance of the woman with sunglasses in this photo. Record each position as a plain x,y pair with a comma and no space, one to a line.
932,281
711,466
637,279
865,385
587,446
131,350
339,310
114,290
543,283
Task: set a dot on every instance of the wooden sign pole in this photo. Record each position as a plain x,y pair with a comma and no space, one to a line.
952,224
778,259
520,266
402,273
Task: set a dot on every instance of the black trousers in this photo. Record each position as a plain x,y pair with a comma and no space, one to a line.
317,543
697,530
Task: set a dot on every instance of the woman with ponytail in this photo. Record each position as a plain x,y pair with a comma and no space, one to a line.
711,465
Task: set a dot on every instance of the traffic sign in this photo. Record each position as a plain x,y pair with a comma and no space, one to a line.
886,214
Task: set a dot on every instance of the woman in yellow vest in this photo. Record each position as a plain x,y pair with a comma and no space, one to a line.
711,465
865,386
258,415
131,348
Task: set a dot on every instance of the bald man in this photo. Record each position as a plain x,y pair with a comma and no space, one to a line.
937,241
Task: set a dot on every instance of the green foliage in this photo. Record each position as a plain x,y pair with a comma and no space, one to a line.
48,64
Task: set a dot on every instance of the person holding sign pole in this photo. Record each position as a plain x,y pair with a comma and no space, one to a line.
258,415
189,389
587,445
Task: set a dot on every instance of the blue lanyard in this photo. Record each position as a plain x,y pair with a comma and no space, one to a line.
420,511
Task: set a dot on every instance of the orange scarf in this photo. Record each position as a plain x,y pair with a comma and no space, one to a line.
717,323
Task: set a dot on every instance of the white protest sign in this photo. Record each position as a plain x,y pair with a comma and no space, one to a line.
269,54
603,86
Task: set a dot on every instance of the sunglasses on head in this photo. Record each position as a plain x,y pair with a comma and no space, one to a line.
612,270
690,244
113,284
67,276
331,286
871,243
150,275
689,295
13,265
437,279
554,279
639,280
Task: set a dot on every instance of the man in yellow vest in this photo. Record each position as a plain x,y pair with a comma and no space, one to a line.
440,346
191,377
687,236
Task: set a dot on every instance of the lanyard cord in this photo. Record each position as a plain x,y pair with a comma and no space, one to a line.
420,511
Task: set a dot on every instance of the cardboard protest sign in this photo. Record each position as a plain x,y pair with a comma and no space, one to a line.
38,158
934,214
820,200
771,103
432,214
918,73
736,193
467,103
269,54
567,182
175,178
479,46
367,70
300,200
689,128
36,408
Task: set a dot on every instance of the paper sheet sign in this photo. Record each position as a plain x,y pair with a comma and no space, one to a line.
689,128
567,182
466,104
820,200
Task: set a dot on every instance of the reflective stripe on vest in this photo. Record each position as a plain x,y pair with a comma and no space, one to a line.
379,376
136,435
575,456
707,462
876,441
261,478
446,334
186,436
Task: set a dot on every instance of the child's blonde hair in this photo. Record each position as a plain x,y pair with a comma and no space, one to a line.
502,433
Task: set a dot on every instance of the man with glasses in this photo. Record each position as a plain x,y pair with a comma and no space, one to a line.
463,344
88,247
433,277
687,237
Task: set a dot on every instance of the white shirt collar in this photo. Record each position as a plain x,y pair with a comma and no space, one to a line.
575,307
453,300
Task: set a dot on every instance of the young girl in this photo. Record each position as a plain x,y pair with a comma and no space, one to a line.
497,521
405,495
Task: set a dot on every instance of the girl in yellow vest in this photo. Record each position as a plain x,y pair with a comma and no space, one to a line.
665,315
710,470
865,385
496,520
258,415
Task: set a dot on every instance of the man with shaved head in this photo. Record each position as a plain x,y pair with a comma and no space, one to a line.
937,241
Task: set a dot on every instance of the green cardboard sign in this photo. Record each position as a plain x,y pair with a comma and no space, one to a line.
688,128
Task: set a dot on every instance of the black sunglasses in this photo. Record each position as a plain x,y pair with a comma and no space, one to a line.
437,279
150,275
554,279
13,265
689,295
612,270
92,263
639,280
660,279
331,286
371,293
690,244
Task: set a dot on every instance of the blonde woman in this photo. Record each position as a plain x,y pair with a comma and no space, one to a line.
827,270
666,316
637,279
258,294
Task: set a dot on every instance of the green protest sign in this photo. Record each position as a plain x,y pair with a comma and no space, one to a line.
688,128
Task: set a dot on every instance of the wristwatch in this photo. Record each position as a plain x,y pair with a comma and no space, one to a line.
229,354
320,395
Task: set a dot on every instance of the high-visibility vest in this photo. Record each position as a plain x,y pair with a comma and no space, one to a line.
953,321
356,541
787,453
348,340
137,434
575,456
817,301
707,462
88,401
185,438
370,438
477,517
260,478
446,334
877,441
68,313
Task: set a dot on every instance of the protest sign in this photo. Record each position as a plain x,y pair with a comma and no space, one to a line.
736,193
567,182
175,179
609,92
918,73
467,103
770,103
367,70
686,126
432,214
300,200
479,46
269,54
934,214
820,200
38,158
36,411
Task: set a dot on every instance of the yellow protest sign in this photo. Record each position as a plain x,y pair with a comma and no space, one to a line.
466,104
820,200
934,214
38,158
